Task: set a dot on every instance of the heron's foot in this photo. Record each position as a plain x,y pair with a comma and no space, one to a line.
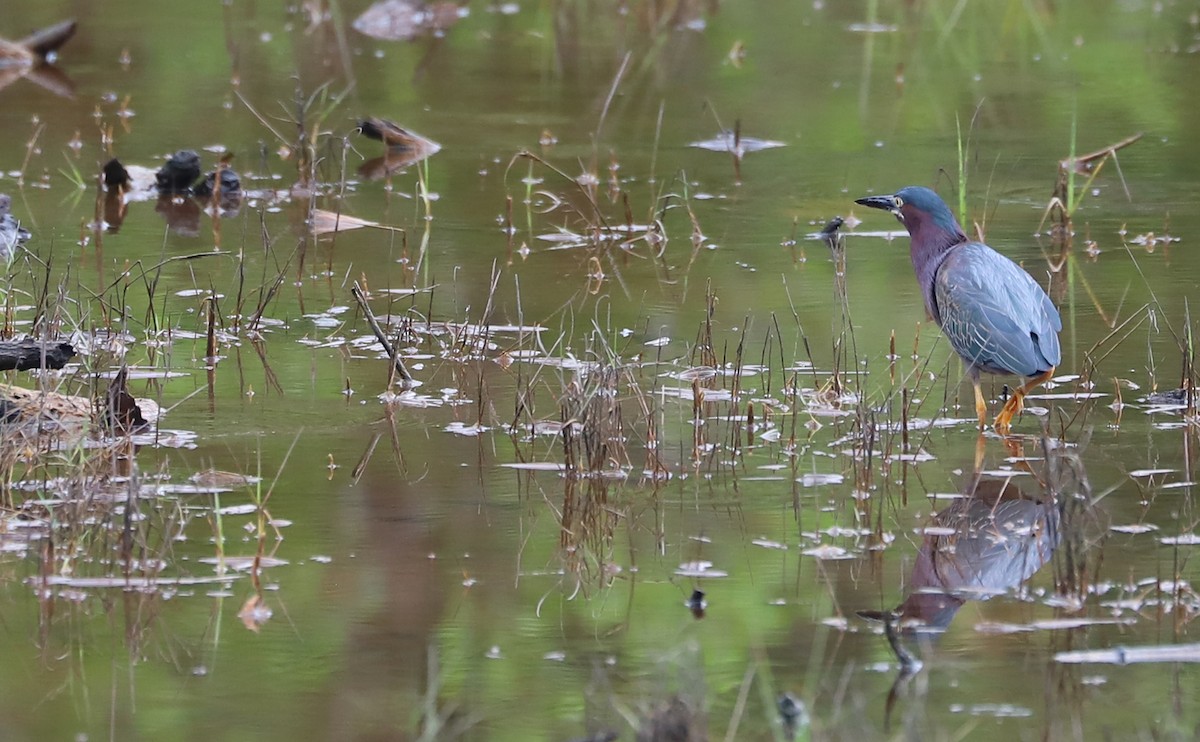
1016,403
1012,407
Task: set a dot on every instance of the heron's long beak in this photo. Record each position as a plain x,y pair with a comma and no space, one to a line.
878,202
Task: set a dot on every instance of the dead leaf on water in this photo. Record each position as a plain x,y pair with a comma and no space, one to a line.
325,222
737,54
730,141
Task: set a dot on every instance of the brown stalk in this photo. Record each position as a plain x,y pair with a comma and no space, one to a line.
397,361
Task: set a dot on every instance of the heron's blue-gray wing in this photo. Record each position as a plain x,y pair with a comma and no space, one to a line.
994,314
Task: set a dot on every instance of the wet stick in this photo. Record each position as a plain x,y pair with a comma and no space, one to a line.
380,335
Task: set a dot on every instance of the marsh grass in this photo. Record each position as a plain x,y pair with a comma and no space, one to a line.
1067,196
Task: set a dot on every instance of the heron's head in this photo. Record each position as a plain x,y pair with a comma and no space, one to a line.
916,207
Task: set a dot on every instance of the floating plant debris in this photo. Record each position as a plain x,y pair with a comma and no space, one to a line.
828,552
1134,528
327,222
730,141
133,582
405,20
768,544
535,466
819,480
1055,624
1132,655
1186,539
244,563
699,569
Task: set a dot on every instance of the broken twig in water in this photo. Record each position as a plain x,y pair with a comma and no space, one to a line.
380,335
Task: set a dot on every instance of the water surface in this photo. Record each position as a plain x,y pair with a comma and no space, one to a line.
429,589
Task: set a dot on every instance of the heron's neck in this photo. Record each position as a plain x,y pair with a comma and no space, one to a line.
930,243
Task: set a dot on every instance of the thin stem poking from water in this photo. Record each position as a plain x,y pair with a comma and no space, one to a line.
612,92
380,335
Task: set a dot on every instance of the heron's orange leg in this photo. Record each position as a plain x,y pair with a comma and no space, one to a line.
980,405
1016,402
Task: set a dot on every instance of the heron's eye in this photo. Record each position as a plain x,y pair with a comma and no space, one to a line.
897,201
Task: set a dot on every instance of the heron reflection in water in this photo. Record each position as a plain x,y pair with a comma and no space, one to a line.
987,542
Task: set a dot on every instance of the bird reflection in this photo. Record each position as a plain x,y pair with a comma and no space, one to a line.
988,541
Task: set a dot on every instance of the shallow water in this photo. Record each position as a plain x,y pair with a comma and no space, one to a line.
428,587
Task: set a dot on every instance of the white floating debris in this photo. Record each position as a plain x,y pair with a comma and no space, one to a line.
767,544
706,395
245,509
871,28
1050,624
838,531
1134,528
731,141
1132,655
816,480
243,563
130,583
696,373
828,552
699,569
535,466
936,531
1185,539
999,710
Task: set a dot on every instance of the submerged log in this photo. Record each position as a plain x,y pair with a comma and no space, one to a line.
23,355
41,412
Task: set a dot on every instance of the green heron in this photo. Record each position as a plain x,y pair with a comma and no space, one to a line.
997,318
